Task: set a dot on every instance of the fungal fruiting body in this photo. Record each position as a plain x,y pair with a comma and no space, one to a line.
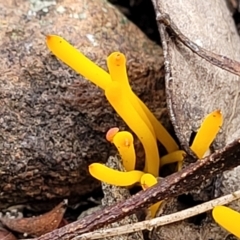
115,95
84,66
207,133
228,219
151,128
123,141
117,68
77,61
114,177
148,180
116,63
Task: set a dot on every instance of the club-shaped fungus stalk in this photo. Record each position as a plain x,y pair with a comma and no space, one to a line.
148,180
117,68
227,219
207,133
77,61
116,63
173,157
123,141
114,177
116,97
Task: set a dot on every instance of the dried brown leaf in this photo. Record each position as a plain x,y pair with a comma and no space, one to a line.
37,226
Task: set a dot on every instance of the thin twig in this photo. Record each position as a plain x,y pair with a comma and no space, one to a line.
220,61
160,221
171,186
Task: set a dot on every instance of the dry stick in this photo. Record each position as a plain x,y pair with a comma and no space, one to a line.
171,186
160,221
215,59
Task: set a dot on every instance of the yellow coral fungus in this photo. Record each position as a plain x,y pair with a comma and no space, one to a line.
77,61
207,133
228,219
123,141
148,180
115,95
117,68
173,157
161,133
116,63
114,177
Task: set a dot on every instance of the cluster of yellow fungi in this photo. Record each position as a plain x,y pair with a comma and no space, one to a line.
137,116
123,141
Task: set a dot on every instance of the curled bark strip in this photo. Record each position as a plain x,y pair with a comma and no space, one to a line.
218,60
37,226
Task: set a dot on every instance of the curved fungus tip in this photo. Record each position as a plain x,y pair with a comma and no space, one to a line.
123,141
207,133
68,54
116,59
114,177
228,219
111,133
148,180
